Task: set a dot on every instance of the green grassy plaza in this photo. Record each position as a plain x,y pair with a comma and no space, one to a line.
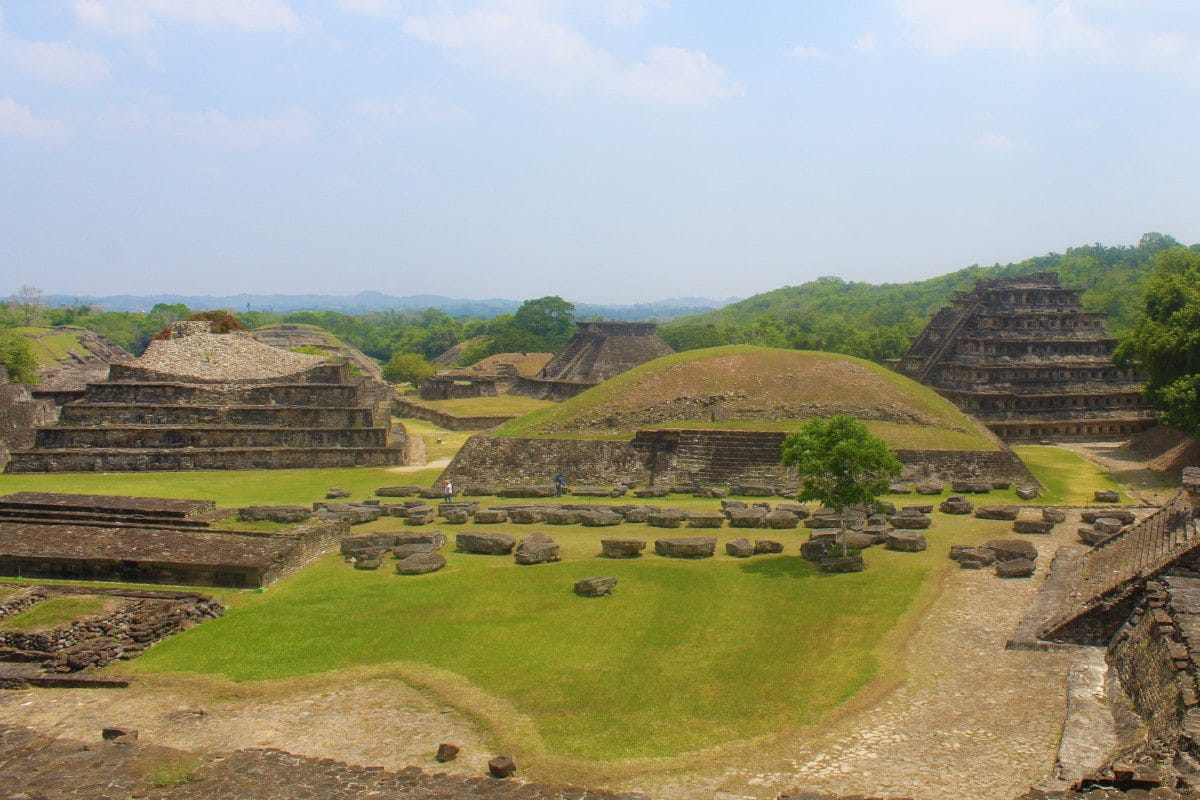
684,655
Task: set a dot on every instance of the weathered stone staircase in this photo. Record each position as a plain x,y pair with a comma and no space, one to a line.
137,421
716,457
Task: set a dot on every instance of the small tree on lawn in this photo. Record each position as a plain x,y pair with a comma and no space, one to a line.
840,463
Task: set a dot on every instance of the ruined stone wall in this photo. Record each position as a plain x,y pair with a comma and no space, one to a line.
684,457
1151,657
497,459
543,389
20,416
444,419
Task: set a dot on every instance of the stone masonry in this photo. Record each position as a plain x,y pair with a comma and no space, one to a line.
598,351
219,401
1023,356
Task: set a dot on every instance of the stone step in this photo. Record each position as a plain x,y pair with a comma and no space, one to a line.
199,458
147,436
97,414
302,394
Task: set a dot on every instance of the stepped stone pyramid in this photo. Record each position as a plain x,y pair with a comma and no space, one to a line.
1023,356
1110,578
201,400
602,350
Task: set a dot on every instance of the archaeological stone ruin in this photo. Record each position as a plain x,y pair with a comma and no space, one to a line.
1023,356
201,400
149,540
598,351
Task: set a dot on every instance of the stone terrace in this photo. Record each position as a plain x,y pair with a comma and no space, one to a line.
219,401
1108,578
157,555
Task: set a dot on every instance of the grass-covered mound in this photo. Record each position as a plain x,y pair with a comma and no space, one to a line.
54,346
759,388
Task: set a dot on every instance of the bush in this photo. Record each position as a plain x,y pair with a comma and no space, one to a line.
17,357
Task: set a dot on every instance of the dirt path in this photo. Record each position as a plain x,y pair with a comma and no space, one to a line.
1147,486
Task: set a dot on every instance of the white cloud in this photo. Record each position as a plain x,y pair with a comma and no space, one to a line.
999,143
948,26
527,41
1104,32
57,62
804,52
132,17
215,127
408,107
866,43
18,120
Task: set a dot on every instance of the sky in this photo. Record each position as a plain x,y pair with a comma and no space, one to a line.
614,151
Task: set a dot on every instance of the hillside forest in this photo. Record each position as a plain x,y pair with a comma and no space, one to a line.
872,321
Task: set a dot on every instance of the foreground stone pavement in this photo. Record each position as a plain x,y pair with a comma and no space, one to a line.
38,767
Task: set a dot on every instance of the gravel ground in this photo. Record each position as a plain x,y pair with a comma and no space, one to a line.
223,356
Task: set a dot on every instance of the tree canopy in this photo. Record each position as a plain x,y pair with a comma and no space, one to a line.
1166,341
17,357
840,462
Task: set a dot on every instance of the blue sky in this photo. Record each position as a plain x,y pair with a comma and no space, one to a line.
606,151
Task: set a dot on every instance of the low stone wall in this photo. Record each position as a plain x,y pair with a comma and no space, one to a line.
686,457
138,460
495,459
548,389
444,419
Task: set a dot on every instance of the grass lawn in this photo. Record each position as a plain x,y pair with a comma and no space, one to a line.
1069,478
439,442
505,404
685,654
54,612
230,488
51,350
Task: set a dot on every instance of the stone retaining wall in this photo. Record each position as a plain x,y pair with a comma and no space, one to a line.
690,457
444,419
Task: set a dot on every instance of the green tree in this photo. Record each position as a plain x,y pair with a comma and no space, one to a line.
407,368
840,462
551,319
17,357
1166,340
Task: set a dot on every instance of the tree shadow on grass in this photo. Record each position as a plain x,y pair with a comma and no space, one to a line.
784,567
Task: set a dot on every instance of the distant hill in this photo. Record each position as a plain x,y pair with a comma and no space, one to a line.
875,320
375,301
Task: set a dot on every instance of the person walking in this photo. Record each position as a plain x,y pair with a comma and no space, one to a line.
560,485
448,491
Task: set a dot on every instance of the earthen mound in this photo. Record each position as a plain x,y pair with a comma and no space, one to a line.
751,387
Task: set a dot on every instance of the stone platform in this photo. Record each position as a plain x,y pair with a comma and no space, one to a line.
220,401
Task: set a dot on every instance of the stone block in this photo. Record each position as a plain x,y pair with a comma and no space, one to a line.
1015,568
447,752
972,557
1027,492
651,491
561,517
1124,515
1006,513
971,486
799,509
745,518
420,564
337,494
635,514
928,488
1107,496
739,548
841,564
705,520
502,767
1011,549
274,513
622,548
900,488
910,521
119,734
595,586
490,516
1054,516
536,548
526,516
479,490
1031,521
456,517
780,520
1107,525
919,508
397,491
766,546
686,547
905,541
665,519
600,519
491,544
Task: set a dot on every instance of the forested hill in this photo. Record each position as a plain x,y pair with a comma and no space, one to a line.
875,321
